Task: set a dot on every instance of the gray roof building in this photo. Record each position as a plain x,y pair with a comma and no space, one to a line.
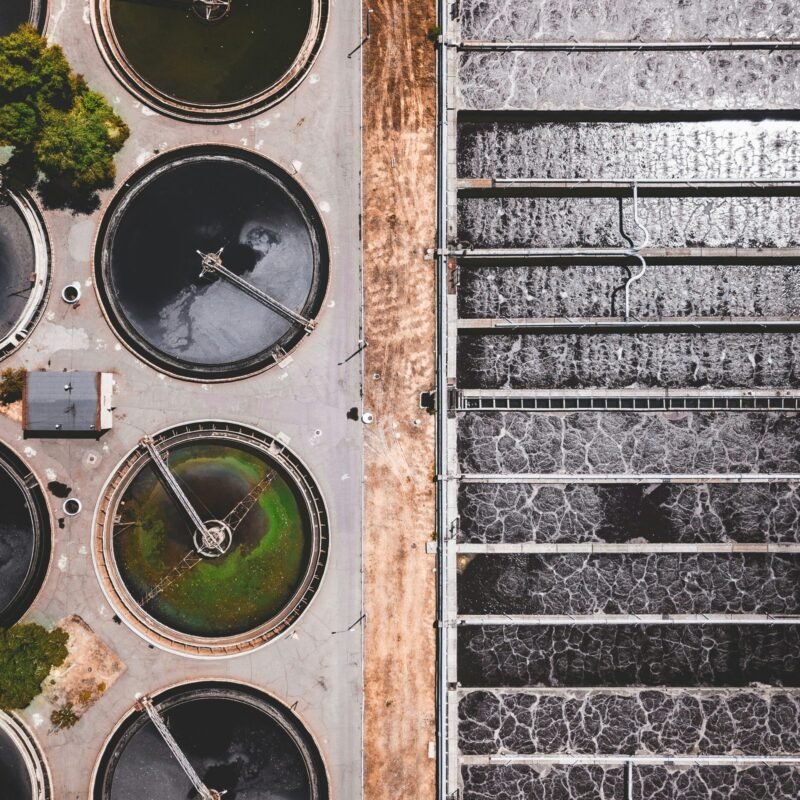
67,402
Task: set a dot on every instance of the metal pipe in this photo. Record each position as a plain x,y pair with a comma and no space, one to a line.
606,478
541,620
629,778
601,46
677,253
682,760
442,466
545,323
667,182
625,548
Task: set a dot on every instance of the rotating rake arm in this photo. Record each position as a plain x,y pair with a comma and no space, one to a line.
212,264
173,487
146,704
236,516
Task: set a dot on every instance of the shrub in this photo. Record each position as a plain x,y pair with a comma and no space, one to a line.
27,654
12,382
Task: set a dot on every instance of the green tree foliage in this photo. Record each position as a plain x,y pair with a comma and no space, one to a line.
27,654
64,716
64,136
12,382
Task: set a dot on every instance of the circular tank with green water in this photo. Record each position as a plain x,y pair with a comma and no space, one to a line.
273,557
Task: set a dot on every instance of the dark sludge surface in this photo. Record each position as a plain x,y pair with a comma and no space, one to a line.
17,263
508,222
15,783
551,782
646,359
665,290
656,80
205,201
669,722
14,13
18,546
629,442
616,583
233,745
628,655
532,20
593,782
211,64
667,150
509,513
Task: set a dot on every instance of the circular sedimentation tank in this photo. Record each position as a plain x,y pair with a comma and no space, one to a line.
24,269
14,13
201,203
24,537
210,59
23,771
178,590
238,740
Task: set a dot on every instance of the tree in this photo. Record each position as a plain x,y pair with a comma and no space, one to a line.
12,382
27,654
64,136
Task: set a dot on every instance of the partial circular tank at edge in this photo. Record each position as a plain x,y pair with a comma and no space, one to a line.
23,772
210,59
237,739
24,537
212,263
14,13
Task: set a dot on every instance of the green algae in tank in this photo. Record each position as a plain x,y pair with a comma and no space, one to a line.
218,63
222,596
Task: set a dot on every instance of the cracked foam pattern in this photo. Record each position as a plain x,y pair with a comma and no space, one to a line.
758,782
654,80
617,583
665,290
512,513
625,360
671,722
624,20
498,222
588,443
525,782
686,150
521,656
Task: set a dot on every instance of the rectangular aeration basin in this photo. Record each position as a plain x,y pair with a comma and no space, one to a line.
624,722
660,80
674,291
630,584
607,222
516,513
590,443
628,655
619,360
662,147
748,781
537,20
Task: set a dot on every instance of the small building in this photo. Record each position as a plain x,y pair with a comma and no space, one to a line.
67,403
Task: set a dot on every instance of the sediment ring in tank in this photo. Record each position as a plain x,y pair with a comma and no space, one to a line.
24,269
14,13
211,538
238,742
23,770
211,263
210,59
24,537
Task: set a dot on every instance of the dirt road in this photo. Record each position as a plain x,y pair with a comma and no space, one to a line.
399,225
